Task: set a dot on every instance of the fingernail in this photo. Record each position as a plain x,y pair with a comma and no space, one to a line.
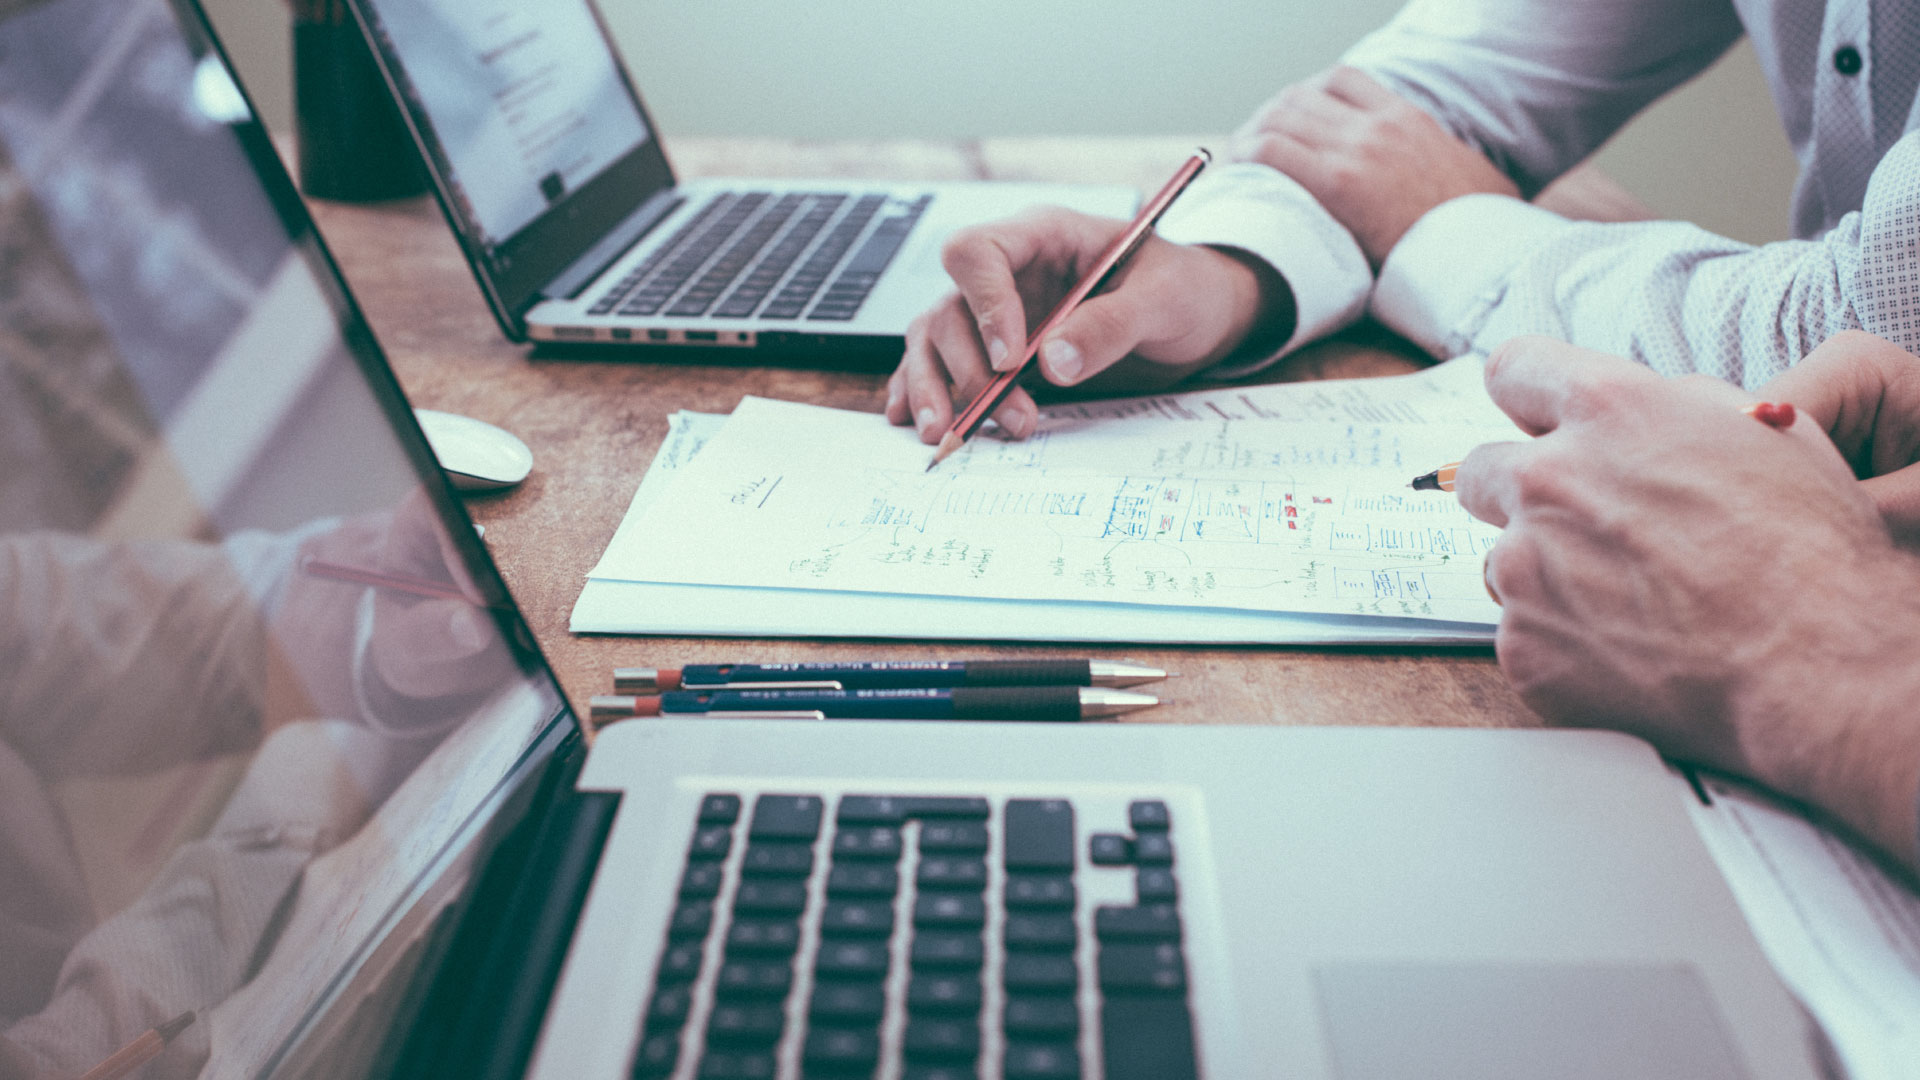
997,353
1063,360
925,419
1019,425
893,398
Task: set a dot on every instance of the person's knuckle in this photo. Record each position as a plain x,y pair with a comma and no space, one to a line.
1537,482
965,249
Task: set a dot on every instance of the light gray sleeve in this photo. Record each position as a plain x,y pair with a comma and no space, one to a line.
1482,269
1539,84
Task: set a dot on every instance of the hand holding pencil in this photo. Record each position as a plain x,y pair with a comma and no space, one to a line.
1175,309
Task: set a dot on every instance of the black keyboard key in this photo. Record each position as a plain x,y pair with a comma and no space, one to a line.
1149,815
929,992
700,882
849,1003
690,920
851,958
857,918
1156,885
1153,849
657,1056
754,979
748,1065
771,896
1039,835
745,1024
680,964
942,1071
846,1049
1043,1017
871,810
1036,892
1142,969
883,243
1028,931
768,937
777,860
719,809
928,1039
1149,921
1043,1061
710,843
785,817
1045,973
862,879
961,837
1110,849
669,1007
963,808
949,910
936,949
951,872
1146,1038
867,842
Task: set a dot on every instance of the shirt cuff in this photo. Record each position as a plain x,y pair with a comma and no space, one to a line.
1449,270
1252,208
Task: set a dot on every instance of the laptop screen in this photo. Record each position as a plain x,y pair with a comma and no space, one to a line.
537,144
525,101
260,680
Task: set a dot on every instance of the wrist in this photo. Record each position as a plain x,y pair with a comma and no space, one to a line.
1262,315
1837,725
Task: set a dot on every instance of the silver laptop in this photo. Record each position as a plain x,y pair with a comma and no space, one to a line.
558,186
290,792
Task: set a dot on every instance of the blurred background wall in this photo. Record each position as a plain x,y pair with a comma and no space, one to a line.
1711,153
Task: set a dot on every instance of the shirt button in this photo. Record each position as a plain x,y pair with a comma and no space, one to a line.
1846,60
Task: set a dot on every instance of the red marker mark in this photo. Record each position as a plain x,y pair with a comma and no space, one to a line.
1779,417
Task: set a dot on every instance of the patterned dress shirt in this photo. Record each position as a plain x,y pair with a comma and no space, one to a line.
1538,85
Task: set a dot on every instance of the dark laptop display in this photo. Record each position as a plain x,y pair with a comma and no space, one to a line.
539,145
229,768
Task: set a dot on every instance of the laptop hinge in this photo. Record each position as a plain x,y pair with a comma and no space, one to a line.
487,990
580,273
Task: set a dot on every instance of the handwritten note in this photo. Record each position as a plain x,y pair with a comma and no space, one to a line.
1302,510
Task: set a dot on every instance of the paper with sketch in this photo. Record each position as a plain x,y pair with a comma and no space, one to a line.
607,606
1302,511
1842,933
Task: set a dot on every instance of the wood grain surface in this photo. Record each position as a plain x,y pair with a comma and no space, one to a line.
594,425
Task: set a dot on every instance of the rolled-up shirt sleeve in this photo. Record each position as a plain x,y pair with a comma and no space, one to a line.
1481,269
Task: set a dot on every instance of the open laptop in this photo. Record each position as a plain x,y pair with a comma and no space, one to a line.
557,184
289,791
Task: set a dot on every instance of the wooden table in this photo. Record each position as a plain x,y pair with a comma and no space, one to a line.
594,425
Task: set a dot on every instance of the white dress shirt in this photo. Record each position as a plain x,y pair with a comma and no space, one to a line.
1538,85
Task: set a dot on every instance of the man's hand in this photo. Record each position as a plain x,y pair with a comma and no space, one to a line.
1673,568
423,656
1174,310
1372,158
1865,392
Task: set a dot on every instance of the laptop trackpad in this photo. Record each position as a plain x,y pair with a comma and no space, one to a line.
1523,1022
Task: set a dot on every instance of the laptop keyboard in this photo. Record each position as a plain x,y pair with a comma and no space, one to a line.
735,258
919,937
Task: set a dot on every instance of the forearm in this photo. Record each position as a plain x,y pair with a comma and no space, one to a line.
1538,85
1842,732
124,655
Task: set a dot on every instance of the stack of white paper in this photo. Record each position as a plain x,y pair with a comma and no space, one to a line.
1275,514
